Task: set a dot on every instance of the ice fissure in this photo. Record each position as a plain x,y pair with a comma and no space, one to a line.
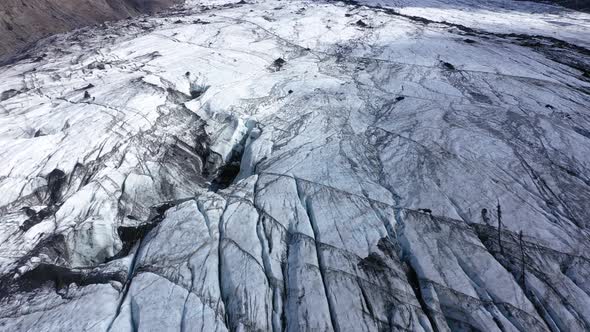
308,208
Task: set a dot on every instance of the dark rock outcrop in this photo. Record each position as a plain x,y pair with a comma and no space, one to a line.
22,22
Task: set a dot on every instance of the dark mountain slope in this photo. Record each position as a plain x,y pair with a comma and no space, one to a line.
22,21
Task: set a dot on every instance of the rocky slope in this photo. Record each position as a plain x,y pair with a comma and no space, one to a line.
300,166
22,22
583,5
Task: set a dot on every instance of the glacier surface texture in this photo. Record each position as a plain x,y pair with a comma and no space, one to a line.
301,166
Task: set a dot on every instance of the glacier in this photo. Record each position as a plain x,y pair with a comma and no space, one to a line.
300,166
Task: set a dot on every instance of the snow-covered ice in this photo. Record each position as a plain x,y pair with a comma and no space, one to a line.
300,165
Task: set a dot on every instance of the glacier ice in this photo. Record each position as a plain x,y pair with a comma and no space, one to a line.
163,173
